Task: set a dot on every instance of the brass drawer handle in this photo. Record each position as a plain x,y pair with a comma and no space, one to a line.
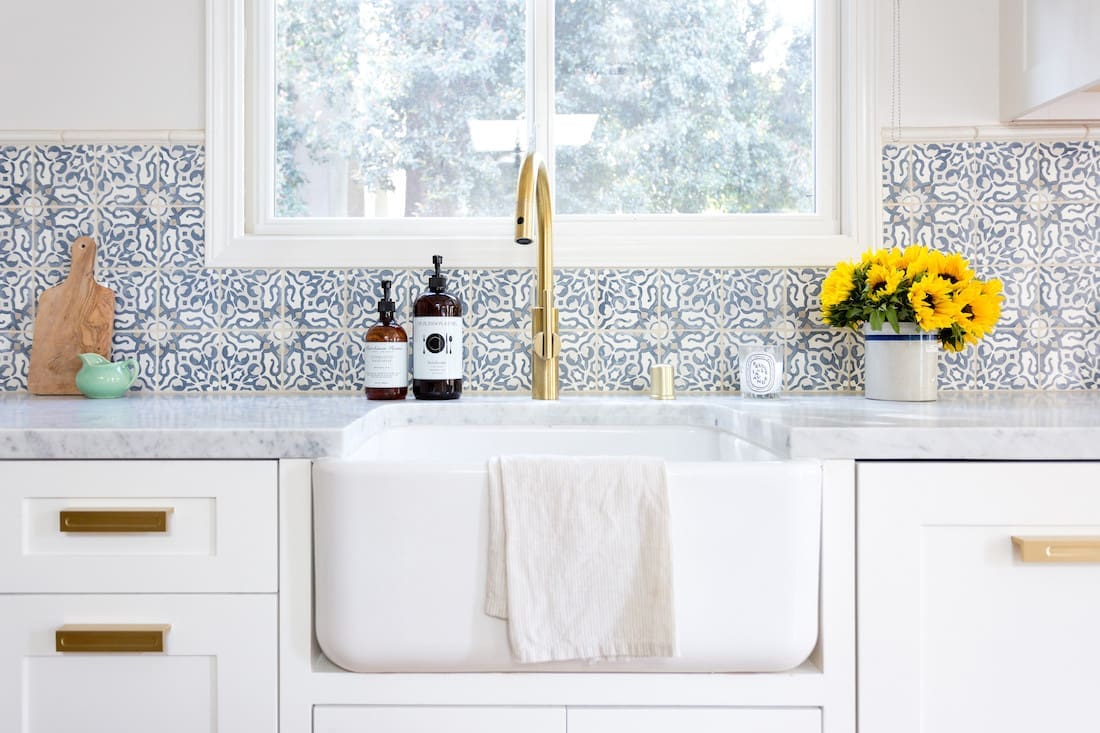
103,638
1058,549
114,520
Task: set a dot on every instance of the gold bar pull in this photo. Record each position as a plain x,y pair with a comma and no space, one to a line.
114,520
1058,549
103,638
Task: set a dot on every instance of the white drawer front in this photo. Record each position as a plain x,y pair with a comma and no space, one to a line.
696,720
219,533
360,718
217,670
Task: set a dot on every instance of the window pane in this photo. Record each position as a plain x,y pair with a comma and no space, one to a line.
391,108
700,106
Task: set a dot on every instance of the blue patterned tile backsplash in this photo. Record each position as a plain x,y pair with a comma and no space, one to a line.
1025,212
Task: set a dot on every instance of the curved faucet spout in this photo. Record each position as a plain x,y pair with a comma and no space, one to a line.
534,212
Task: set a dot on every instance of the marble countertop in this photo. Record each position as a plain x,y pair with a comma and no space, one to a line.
1005,426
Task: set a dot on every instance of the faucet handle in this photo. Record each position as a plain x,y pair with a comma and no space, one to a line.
547,345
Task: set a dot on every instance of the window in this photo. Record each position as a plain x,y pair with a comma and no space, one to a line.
358,132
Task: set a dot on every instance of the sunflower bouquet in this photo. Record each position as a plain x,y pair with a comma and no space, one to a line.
936,291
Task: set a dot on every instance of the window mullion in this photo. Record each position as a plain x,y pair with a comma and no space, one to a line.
540,76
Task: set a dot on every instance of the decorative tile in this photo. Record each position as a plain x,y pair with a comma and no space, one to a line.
318,360
625,360
897,227
127,238
627,298
15,173
1071,233
945,172
948,228
250,362
803,291
576,297
756,295
694,299
133,345
127,173
57,231
182,173
1006,171
1073,361
819,361
189,299
579,362
1071,170
17,294
496,361
700,361
1020,296
135,296
16,240
183,236
365,290
896,167
1006,360
250,299
315,299
957,369
15,360
67,175
189,362
500,299
1005,234
1070,296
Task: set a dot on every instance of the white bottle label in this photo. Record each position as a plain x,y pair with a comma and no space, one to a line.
437,347
387,364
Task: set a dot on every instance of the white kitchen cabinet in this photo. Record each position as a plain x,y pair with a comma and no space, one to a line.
957,633
384,719
696,720
1050,60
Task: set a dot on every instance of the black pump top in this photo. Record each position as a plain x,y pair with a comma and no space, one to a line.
437,283
386,305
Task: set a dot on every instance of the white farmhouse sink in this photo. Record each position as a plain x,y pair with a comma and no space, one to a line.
401,533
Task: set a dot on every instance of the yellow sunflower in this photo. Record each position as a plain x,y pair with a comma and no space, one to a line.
837,285
932,303
979,308
883,281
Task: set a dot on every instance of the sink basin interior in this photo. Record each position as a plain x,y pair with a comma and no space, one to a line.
476,443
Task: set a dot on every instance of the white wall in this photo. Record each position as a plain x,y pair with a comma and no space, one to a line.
949,59
102,64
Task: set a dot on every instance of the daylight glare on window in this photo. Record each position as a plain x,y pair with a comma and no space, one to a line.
417,108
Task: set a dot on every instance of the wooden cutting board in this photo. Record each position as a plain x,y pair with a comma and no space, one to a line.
75,317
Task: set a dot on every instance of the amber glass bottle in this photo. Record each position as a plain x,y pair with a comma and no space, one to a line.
437,341
387,354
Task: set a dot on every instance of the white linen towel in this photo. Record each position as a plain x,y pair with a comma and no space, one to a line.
579,558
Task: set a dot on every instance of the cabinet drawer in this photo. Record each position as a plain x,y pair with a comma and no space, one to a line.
217,671
138,526
383,719
696,720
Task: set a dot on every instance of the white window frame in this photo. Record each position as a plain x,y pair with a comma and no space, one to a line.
242,231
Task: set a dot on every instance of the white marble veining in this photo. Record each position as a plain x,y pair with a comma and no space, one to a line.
1008,425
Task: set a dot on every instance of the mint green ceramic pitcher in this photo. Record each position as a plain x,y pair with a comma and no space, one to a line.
101,379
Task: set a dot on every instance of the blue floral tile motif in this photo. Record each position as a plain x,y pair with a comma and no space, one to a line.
1006,360
1071,170
496,361
15,360
627,298
897,227
182,236
189,299
694,299
579,361
1073,361
803,290
700,361
57,231
896,167
250,299
317,360
957,370
189,362
15,173
499,299
251,362
182,173
755,296
128,173
134,345
576,299
135,296
127,238
947,227
625,360
945,172
1070,296
1005,234
1071,233
16,240
819,361
67,175
1006,171
1020,296
315,299
365,290
17,295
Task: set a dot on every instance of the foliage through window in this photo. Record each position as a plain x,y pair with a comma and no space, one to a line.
420,108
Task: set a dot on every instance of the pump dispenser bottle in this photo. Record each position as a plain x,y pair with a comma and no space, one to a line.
437,341
387,354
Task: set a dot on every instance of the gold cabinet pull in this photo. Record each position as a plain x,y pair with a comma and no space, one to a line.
1058,549
114,520
102,638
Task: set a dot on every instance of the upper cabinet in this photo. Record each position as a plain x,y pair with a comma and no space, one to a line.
1050,60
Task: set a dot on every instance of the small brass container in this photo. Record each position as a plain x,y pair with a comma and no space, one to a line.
661,382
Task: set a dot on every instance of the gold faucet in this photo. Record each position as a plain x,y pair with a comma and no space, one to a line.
533,205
